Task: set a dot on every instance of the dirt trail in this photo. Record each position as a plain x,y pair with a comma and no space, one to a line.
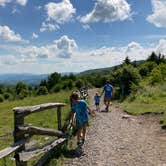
116,140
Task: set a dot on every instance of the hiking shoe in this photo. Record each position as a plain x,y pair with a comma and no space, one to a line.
79,143
83,141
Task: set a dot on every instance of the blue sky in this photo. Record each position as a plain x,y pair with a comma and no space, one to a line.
76,35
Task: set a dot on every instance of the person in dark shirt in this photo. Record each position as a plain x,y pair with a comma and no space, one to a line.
107,90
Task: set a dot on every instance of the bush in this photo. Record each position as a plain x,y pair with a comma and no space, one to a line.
146,68
56,88
79,83
1,98
42,90
116,93
158,74
7,96
126,76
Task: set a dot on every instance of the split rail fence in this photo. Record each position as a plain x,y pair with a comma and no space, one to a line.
22,133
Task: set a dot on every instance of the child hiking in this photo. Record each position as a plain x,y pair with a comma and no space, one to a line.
97,101
80,112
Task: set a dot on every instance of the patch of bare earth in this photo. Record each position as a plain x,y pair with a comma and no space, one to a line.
118,139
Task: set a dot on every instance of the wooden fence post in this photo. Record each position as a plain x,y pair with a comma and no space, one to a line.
59,117
18,121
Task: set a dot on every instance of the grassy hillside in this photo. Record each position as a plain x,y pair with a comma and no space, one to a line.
149,99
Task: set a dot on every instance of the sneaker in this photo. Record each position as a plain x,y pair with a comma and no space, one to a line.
79,143
83,141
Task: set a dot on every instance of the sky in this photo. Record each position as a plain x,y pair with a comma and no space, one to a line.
43,36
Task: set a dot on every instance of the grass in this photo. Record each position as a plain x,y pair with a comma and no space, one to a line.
46,118
147,100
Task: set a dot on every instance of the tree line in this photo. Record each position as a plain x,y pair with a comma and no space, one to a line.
125,78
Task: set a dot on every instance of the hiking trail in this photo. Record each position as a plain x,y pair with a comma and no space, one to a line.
117,139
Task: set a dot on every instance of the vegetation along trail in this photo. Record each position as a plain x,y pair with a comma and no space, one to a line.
118,139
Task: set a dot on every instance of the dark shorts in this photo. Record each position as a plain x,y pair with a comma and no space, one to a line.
79,126
96,103
106,99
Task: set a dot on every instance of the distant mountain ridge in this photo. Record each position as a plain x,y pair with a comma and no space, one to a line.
35,79
27,78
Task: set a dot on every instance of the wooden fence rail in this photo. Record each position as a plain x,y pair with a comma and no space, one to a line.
23,132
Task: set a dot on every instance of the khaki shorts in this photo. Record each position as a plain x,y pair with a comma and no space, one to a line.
107,99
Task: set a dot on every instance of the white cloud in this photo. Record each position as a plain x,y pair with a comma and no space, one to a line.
38,7
8,35
65,46
15,10
60,12
34,35
62,56
20,2
108,11
161,47
158,17
57,14
61,48
8,59
3,2
86,27
48,27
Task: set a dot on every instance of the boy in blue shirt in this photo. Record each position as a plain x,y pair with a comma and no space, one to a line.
97,101
107,90
80,112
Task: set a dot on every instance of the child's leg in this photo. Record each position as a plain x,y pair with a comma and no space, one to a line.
84,132
98,107
79,135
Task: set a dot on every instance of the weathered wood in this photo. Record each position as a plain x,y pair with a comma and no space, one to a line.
59,118
25,156
18,120
26,110
7,151
33,130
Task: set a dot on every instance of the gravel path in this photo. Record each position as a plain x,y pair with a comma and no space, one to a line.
116,139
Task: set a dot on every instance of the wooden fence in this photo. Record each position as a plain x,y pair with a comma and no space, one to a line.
22,133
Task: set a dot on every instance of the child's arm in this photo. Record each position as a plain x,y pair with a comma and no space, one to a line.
72,118
102,92
90,111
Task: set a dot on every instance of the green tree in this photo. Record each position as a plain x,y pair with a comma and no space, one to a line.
127,61
158,74
20,86
53,79
79,83
1,99
21,90
125,77
7,96
153,57
42,90
146,68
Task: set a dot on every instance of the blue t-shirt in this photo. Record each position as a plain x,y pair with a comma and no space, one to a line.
80,108
97,99
108,91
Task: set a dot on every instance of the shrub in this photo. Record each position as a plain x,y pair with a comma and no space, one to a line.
1,98
146,68
56,88
42,90
126,76
7,96
158,74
